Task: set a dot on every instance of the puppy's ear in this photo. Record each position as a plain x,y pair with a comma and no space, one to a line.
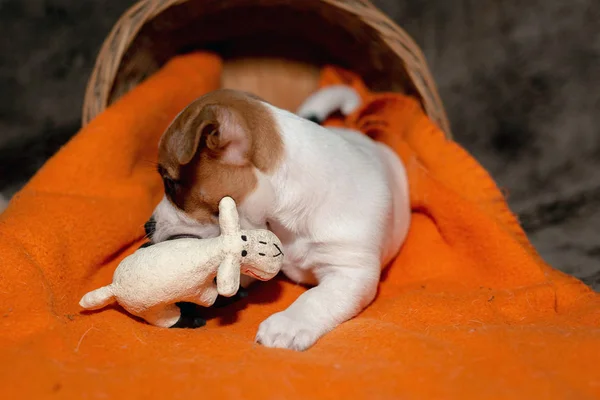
225,134
215,127
184,144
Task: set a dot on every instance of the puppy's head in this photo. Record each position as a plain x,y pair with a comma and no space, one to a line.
216,147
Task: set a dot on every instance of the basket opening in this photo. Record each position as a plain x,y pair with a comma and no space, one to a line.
302,35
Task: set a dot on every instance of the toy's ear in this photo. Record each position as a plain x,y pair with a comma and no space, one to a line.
228,276
229,219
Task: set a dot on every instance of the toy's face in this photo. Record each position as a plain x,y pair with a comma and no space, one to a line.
262,254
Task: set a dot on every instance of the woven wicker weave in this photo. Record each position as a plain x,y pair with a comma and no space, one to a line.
349,33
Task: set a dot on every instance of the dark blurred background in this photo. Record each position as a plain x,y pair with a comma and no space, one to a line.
520,80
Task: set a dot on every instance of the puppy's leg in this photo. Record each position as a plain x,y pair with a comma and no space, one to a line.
318,106
343,291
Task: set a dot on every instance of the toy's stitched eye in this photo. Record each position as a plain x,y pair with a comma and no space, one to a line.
262,242
244,238
244,253
261,254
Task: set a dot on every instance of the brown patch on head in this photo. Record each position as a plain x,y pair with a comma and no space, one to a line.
212,148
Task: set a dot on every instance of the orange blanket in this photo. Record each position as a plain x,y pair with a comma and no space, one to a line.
468,310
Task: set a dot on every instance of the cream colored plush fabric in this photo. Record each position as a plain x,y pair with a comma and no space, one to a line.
149,282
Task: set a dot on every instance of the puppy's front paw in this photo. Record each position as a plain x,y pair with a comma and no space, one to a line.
286,332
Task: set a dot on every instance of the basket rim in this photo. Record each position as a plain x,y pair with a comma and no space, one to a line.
128,26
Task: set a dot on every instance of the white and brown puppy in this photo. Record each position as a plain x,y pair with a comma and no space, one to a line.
337,200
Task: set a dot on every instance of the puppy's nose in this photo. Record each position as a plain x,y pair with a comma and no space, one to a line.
150,227
314,118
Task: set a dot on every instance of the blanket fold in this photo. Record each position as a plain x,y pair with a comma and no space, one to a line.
467,310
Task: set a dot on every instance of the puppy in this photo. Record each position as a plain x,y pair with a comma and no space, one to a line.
337,200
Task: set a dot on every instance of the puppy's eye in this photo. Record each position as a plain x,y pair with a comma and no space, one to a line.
170,185
244,238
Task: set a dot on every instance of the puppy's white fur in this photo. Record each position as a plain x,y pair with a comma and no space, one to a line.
338,202
324,102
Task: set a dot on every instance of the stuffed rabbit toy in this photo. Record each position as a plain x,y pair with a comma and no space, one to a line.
150,281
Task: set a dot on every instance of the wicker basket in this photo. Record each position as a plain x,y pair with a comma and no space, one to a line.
271,47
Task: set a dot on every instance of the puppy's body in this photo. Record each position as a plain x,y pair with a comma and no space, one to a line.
335,187
337,200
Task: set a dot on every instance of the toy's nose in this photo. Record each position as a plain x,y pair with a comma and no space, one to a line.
150,227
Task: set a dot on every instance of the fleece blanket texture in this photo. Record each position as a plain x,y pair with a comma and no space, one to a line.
467,310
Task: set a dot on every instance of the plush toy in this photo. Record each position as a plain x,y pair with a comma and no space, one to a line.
150,282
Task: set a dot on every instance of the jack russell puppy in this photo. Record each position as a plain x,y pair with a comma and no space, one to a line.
337,199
